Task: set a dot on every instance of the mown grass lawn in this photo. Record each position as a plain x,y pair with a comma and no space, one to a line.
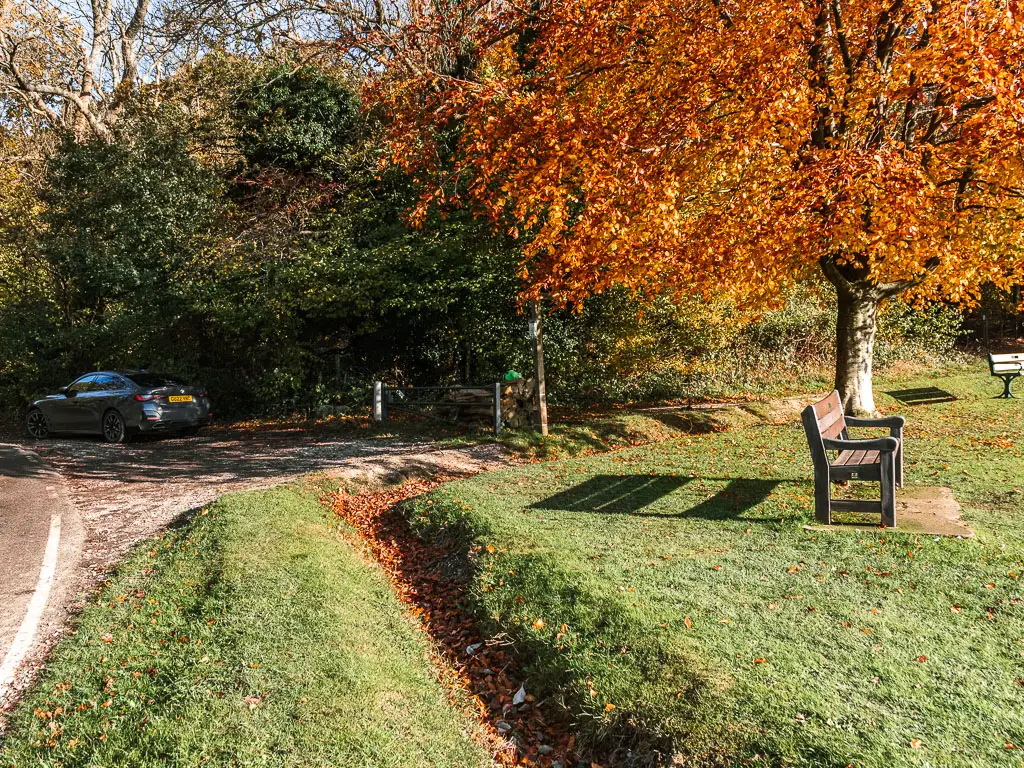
684,609
253,635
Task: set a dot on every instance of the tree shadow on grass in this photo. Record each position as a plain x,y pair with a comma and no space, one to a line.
691,422
922,396
633,494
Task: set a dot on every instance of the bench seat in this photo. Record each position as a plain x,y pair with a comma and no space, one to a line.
858,458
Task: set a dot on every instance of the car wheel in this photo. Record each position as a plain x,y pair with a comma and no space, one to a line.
37,423
114,430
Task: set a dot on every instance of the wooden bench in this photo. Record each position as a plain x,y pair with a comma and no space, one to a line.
838,459
1007,366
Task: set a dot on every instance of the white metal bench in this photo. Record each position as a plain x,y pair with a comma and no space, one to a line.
1006,366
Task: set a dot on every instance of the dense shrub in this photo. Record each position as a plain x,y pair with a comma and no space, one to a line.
295,119
618,350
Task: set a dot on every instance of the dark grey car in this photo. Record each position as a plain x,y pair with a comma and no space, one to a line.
117,404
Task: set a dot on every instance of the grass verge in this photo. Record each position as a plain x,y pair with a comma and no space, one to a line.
251,635
670,596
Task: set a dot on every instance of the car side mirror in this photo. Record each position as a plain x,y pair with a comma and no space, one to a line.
67,392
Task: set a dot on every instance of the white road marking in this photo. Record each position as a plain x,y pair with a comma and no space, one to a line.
27,632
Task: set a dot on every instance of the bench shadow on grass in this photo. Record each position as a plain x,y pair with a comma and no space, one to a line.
633,494
922,396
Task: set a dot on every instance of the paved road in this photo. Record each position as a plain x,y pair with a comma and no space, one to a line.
40,542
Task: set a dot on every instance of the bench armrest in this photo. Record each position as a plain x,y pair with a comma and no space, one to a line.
884,444
894,423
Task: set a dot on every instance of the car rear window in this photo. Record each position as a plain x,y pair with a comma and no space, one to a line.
157,380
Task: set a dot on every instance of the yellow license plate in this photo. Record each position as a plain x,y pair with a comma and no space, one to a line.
179,399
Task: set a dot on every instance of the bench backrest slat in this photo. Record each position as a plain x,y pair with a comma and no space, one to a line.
1006,362
830,418
824,419
832,424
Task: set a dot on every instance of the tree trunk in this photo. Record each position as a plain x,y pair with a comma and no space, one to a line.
855,345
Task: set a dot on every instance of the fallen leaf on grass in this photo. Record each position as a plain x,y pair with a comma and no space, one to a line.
916,743
793,569
687,622
253,701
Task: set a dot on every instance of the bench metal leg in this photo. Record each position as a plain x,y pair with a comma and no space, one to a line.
888,482
822,497
1007,381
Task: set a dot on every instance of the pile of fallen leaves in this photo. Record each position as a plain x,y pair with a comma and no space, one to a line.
483,671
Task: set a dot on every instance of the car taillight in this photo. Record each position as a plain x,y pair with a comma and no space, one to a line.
145,398
203,394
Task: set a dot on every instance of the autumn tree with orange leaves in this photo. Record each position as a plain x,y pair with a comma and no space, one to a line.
735,147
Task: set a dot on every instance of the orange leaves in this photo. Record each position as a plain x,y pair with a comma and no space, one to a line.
734,170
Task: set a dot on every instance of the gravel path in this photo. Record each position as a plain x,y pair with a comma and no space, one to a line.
125,493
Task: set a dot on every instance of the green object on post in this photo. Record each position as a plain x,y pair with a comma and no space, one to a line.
513,375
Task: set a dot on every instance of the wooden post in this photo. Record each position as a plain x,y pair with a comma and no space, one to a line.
378,402
888,483
538,356
497,408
